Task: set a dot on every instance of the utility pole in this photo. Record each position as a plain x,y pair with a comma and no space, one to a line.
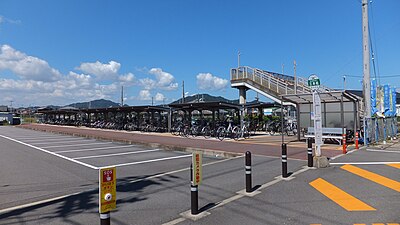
11,102
122,96
283,69
152,101
344,82
183,91
295,80
238,59
366,62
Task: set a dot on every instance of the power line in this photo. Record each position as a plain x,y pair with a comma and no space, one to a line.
387,76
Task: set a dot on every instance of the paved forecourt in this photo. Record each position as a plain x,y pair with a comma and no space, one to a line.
149,179
153,185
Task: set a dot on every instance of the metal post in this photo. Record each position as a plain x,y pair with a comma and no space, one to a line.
309,152
248,172
105,219
356,140
344,144
284,161
295,80
194,194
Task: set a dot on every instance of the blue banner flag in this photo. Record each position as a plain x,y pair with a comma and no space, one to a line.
373,97
386,99
393,90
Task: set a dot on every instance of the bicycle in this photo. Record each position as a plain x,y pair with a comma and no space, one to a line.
242,132
223,132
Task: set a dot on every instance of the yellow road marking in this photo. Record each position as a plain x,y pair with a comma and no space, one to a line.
393,224
340,197
378,224
360,224
392,184
397,165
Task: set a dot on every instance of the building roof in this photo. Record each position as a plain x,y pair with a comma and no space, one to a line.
326,97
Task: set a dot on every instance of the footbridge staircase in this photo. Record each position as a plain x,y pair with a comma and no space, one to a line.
272,85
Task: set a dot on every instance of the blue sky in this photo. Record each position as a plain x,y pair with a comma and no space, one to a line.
60,52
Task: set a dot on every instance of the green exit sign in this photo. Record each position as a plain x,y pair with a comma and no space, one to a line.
313,82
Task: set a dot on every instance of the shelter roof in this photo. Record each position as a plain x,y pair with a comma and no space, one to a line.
326,97
204,106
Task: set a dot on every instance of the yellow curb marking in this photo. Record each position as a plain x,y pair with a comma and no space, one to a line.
340,197
392,184
396,165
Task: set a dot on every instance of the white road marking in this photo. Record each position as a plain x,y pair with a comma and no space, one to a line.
43,138
95,149
147,161
60,146
176,221
238,196
23,138
77,193
116,154
181,170
37,203
372,150
65,141
51,153
364,163
341,155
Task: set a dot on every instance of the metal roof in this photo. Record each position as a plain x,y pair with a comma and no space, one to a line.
326,97
106,110
205,105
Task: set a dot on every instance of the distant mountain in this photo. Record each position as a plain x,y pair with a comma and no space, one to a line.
204,98
100,103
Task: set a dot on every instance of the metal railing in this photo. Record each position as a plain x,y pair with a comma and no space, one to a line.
274,82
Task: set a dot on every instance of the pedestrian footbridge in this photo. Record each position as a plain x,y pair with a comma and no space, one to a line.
272,85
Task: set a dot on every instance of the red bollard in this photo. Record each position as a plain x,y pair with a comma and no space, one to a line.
344,144
356,140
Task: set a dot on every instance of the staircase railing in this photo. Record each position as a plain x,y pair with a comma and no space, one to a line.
278,83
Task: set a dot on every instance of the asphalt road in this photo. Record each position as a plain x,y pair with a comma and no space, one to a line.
153,185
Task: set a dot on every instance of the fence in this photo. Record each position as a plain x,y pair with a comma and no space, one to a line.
380,129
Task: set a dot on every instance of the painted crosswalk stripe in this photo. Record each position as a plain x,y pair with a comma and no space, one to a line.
395,165
379,179
340,197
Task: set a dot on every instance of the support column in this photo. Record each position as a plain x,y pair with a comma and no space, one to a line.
242,102
242,95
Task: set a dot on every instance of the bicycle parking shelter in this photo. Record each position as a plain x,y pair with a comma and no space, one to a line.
340,109
140,114
203,108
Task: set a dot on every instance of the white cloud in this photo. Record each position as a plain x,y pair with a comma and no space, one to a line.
39,84
144,95
108,71
72,87
163,81
128,79
148,83
159,97
26,67
206,81
7,20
